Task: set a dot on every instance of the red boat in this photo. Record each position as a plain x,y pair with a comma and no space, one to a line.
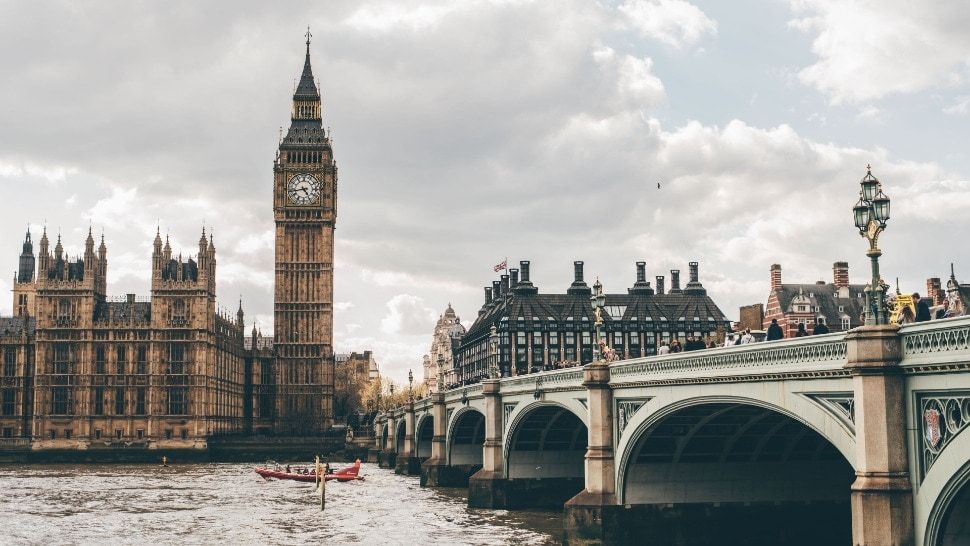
304,474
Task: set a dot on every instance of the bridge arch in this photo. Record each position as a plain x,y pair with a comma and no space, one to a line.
466,435
399,434
544,455
722,468
942,503
423,433
384,433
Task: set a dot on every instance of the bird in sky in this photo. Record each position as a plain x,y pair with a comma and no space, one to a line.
658,185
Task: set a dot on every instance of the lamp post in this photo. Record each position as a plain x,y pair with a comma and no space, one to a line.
493,369
410,385
871,214
392,394
597,300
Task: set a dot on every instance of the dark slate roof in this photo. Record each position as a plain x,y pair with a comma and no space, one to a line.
120,310
307,88
306,134
573,308
12,326
825,296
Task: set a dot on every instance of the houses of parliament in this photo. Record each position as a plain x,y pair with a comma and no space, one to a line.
82,370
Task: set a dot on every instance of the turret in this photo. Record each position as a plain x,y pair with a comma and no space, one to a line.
25,271
240,316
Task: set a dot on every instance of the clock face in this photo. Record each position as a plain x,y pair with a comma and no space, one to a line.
303,189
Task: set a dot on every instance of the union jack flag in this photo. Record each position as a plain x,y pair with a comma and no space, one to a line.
503,265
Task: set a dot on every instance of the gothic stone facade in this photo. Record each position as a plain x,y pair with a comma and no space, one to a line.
82,371
440,359
305,210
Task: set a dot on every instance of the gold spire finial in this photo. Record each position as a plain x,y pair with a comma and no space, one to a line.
308,36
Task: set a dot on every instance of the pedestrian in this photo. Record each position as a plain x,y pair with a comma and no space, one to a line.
922,308
711,343
820,328
747,337
906,316
774,331
664,349
729,340
675,346
801,330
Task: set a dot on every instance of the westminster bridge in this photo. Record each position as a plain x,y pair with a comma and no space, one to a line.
804,441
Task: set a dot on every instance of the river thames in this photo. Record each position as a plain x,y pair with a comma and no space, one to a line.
229,503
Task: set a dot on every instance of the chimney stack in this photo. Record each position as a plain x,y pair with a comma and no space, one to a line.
641,286
579,286
934,290
496,290
505,285
840,274
775,276
514,277
693,272
694,286
524,266
660,285
488,295
674,281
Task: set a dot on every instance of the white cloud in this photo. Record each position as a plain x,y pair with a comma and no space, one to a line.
870,113
868,49
674,22
343,305
386,16
960,108
408,315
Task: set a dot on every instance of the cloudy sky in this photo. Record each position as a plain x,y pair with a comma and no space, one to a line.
471,131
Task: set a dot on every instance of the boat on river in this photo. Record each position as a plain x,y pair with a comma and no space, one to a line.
308,474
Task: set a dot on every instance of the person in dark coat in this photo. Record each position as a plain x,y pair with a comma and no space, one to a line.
774,331
820,328
922,308
801,330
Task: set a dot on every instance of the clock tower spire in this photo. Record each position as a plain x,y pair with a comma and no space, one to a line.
304,208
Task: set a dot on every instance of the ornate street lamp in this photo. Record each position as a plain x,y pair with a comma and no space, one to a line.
870,215
597,300
493,369
411,385
537,394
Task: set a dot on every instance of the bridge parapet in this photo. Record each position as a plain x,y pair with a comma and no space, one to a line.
936,343
566,379
822,355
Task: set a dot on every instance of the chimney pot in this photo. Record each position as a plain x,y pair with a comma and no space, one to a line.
641,271
524,266
674,280
693,272
488,295
775,276
505,285
660,285
840,274
514,276
578,271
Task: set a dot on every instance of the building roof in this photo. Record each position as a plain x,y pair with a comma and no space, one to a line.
575,307
12,326
827,297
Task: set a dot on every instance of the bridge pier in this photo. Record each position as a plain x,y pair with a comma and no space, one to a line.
434,471
592,516
388,456
487,487
407,462
882,497
373,453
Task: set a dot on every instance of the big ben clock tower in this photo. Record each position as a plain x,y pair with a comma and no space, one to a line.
305,209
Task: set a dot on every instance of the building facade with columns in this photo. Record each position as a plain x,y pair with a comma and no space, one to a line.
538,331
439,360
82,370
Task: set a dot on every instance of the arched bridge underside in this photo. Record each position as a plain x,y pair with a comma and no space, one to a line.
734,473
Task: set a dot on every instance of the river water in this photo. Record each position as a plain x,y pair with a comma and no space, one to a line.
230,504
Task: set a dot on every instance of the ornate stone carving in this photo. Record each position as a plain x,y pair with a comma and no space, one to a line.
507,410
625,409
942,415
840,405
